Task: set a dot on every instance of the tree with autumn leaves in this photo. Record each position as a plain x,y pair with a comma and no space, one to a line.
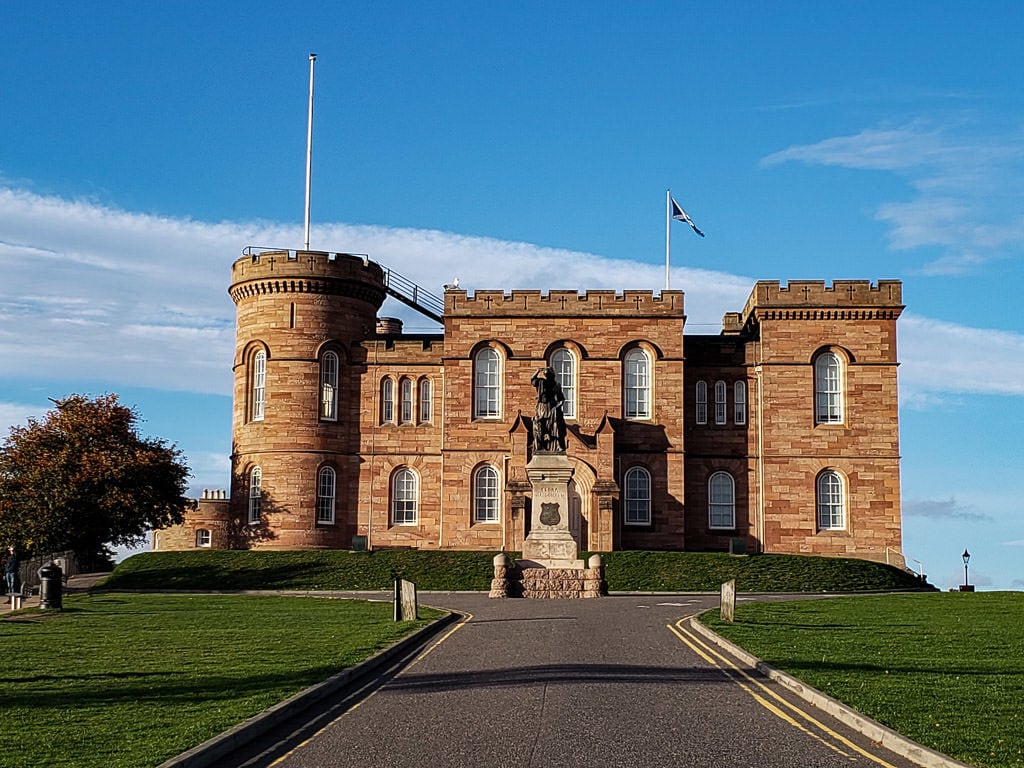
83,478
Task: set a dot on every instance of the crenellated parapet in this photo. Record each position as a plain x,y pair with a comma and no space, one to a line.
307,272
559,303
814,299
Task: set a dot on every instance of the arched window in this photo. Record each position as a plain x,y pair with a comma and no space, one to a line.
637,383
828,389
404,497
739,396
721,501
637,501
721,412
259,384
485,495
426,401
255,496
406,401
564,364
387,400
831,501
702,402
329,386
325,492
487,384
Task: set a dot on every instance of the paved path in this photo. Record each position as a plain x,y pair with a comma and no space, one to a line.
618,681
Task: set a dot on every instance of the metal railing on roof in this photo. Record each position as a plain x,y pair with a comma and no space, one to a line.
397,286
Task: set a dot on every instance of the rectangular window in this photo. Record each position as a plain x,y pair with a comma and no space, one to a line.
425,401
740,402
721,410
702,402
202,537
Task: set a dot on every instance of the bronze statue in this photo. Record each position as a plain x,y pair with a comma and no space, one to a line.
548,420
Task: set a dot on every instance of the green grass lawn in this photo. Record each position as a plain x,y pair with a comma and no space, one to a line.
449,570
125,681
946,670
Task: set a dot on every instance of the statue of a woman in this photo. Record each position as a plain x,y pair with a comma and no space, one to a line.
548,420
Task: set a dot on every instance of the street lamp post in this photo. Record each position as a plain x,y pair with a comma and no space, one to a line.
967,587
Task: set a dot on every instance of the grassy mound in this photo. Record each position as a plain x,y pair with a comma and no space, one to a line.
456,571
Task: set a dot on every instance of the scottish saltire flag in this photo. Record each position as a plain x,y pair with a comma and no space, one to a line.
680,215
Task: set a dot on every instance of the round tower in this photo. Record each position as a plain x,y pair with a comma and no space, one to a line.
295,431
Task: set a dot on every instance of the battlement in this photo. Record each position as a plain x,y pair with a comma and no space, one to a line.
256,264
321,272
563,303
843,298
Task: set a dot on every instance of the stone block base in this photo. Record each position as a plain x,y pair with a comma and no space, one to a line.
527,579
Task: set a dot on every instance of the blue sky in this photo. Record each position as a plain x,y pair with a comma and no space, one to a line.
525,145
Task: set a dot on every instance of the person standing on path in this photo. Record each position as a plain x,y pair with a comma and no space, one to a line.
11,570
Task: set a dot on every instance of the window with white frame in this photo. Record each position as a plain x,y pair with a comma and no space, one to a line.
329,386
739,399
259,384
426,401
203,537
487,384
637,384
637,500
721,407
405,400
404,497
828,389
563,362
721,501
831,501
387,400
485,495
255,495
702,402
326,485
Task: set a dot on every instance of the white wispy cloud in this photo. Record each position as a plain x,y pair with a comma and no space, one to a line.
98,294
965,186
942,357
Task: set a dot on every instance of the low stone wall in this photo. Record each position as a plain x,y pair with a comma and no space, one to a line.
537,582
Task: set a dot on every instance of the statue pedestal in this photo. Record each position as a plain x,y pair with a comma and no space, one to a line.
549,543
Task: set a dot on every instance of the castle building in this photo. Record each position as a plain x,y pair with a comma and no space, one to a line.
778,434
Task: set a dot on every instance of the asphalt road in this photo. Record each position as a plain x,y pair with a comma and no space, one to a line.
618,681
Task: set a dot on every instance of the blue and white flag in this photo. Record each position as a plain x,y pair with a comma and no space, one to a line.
680,215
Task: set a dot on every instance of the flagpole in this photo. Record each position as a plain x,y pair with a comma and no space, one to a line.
309,143
668,229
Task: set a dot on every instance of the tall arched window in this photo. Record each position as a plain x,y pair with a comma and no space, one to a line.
831,501
721,410
485,495
255,495
828,389
721,501
426,401
405,400
329,386
564,364
387,400
404,497
325,492
637,501
259,384
637,384
739,397
702,402
487,384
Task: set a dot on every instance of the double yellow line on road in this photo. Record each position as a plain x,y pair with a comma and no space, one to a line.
768,698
